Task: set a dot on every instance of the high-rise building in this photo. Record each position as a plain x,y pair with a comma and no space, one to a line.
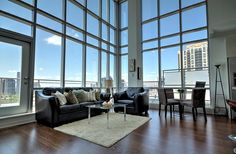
9,87
1,86
195,56
18,79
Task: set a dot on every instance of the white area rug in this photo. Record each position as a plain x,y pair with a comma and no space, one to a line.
97,131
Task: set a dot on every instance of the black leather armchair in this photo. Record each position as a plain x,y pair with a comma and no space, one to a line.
136,99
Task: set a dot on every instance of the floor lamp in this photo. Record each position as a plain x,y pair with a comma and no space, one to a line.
108,84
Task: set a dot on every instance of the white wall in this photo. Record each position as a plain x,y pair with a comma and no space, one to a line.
231,45
222,26
134,41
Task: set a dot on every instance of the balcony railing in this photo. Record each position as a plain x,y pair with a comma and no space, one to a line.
172,78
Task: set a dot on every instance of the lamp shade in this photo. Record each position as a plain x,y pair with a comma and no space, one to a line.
108,83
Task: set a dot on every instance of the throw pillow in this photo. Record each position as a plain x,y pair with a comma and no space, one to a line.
84,96
91,96
71,98
60,97
97,95
80,95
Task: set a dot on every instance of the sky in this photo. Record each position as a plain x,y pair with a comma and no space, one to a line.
48,45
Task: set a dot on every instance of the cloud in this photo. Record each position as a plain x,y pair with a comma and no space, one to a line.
54,40
41,69
76,35
12,71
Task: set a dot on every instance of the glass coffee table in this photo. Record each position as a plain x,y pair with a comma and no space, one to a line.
100,106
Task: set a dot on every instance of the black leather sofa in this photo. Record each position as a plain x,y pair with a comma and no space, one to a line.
136,99
50,113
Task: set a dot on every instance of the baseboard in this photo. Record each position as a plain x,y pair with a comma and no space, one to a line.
15,120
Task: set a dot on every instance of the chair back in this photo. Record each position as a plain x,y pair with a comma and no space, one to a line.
162,96
169,93
198,97
200,84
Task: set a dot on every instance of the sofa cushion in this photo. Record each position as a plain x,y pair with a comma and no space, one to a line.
60,97
70,108
71,98
131,91
129,102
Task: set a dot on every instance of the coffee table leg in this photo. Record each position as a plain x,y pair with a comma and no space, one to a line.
124,112
108,119
89,111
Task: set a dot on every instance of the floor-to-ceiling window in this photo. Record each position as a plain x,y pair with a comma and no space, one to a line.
123,44
75,40
72,38
174,45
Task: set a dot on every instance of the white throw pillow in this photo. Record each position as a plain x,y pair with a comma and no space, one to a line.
61,98
91,95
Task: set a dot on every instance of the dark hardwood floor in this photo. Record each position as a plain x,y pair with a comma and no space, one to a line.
160,135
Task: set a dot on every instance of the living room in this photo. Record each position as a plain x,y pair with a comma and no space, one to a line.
88,76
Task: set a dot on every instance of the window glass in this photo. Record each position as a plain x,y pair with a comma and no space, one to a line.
112,36
195,64
150,45
124,50
104,31
73,64
93,5
50,7
14,8
150,30
170,66
48,48
149,9
124,37
81,2
92,41
75,15
49,23
92,25
189,18
112,69
13,25
74,33
195,36
112,13
150,74
167,23
186,3
112,49
104,46
124,71
104,65
91,67
104,10
170,40
167,6
31,2
124,14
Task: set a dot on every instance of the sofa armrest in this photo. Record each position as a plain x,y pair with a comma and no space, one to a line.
47,108
141,101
